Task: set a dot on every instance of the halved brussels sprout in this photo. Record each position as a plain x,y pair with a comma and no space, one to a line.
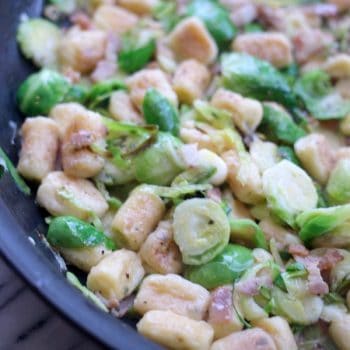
201,230
338,187
157,110
41,91
225,268
255,78
70,232
161,162
315,90
38,40
326,226
289,191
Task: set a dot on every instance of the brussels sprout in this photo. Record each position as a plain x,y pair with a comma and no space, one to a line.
7,166
77,93
166,12
38,40
331,225
124,140
157,110
42,91
70,232
314,89
289,191
279,126
225,268
253,28
218,118
288,153
196,175
112,174
176,192
138,47
255,78
291,73
101,92
338,187
74,281
216,18
314,337
248,231
160,163
302,311
201,230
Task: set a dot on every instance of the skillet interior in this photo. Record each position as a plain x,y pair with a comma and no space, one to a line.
20,218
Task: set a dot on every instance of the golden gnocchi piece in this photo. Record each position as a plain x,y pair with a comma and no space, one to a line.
338,66
60,195
140,7
339,332
117,275
243,177
40,143
273,47
190,80
246,113
279,330
159,253
84,258
190,39
172,293
254,338
114,19
316,156
79,130
82,50
145,79
122,109
137,218
176,332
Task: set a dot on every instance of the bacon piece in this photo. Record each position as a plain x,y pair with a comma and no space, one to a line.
104,70
330,259
81,139
221,305
82,20
251,286
316,284
215,194
298,249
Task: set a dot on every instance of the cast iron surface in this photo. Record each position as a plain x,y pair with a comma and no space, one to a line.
22,222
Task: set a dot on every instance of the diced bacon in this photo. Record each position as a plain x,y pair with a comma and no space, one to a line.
214,194
251,286
72,75
316,284
330,259
298,249
104,70
82,20
221,305
81,139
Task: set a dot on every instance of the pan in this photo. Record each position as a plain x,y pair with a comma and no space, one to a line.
22,222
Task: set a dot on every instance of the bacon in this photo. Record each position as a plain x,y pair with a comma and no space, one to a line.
316,284
81,139
221,305
251,286
82,20
215,194
104,70
330,259
298,249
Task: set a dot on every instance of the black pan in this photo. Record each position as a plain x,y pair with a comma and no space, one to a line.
22,222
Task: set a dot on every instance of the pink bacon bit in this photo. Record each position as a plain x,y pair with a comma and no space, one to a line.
221,305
